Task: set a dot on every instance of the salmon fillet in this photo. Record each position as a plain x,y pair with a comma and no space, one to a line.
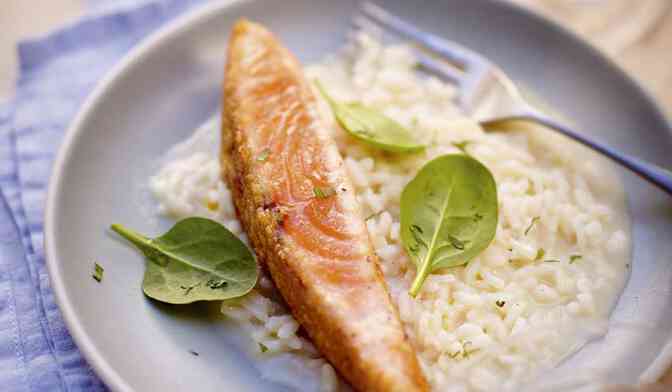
298,207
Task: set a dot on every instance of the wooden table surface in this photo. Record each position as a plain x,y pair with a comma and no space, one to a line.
636,34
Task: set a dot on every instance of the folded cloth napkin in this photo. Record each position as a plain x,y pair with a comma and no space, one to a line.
56,74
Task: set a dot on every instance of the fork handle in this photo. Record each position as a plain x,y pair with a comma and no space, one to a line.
654,174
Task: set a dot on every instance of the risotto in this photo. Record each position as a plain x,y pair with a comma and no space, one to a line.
539,292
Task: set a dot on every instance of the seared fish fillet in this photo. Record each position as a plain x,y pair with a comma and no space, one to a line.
298,207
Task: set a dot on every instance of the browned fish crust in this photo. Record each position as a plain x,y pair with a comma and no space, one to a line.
370,362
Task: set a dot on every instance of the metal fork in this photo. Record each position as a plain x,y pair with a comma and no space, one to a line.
486,93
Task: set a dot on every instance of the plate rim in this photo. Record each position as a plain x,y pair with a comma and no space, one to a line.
96,359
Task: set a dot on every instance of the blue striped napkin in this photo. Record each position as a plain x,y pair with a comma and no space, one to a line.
56,74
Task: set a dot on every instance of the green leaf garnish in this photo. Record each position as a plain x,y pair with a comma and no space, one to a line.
540,254
98,272
574,258
263,348
448,214
323,193
531,225
196,260
371,126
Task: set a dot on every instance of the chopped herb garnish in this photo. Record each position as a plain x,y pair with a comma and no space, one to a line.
574,258
263,348
216,283
500,303
416,232
540,254
263,155
463,352
323,193
551,261
466,352
375,214
98,272
530,188
534,220
194,353
462,146
456,242
187,289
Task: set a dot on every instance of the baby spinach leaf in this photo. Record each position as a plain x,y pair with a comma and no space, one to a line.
371,126
196,260
448,214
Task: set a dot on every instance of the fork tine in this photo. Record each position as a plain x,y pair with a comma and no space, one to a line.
442,69
454,53
361,23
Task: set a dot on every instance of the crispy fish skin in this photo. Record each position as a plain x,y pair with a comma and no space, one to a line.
276,155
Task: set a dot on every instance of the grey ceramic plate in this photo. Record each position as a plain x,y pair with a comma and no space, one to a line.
171,83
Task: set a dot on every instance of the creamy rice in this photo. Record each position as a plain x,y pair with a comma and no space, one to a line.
494,324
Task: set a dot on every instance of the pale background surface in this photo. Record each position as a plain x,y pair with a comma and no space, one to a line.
635,33
22,19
